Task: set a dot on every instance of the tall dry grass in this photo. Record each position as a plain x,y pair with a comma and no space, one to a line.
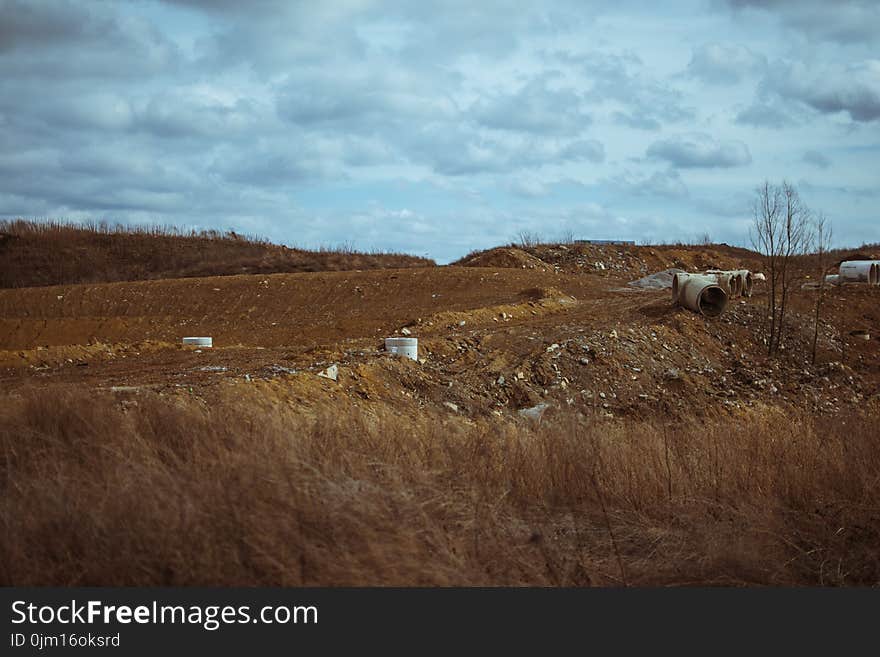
169,491
56,253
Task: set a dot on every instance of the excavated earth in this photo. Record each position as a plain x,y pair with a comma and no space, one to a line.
507,330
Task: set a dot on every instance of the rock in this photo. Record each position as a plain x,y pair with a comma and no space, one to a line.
584,361
613,334
552,347
535,412
451,406
672,374
462,323
331,373
501,380
405,331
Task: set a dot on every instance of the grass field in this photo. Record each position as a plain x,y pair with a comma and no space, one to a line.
167,491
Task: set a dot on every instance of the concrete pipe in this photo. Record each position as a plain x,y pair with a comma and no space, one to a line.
678,281
860,271
746,277
703,295
206,342
727,280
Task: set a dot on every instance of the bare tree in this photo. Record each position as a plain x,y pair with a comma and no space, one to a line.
765,237
798,236
823,234
528,239
780,231
567,236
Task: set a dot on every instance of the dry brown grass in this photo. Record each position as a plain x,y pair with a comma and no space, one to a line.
168,491
53,253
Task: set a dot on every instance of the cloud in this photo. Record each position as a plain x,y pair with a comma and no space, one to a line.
766,114
187,112
589,150
26,24
459,151
716,63
639,100
816,159
843,21
664,184
364,99
852,88
700,151
267,166
536,108
67,40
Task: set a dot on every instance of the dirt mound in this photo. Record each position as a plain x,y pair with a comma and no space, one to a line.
620,261
662,280
626,260
506,257
40,254
861,255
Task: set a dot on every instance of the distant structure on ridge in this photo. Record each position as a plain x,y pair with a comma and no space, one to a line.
621,242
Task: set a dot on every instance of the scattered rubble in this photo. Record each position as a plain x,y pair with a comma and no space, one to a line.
660,281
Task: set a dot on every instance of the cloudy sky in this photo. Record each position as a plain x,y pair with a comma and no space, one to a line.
439,128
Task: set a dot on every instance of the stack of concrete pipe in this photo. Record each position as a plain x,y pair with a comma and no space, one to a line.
709,293
700,293
735,282
857,271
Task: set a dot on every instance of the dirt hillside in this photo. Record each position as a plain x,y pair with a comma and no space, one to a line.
36,254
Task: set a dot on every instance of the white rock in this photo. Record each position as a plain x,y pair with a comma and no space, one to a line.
331,373
535,412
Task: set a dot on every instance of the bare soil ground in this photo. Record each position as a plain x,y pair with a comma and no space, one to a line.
555,329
